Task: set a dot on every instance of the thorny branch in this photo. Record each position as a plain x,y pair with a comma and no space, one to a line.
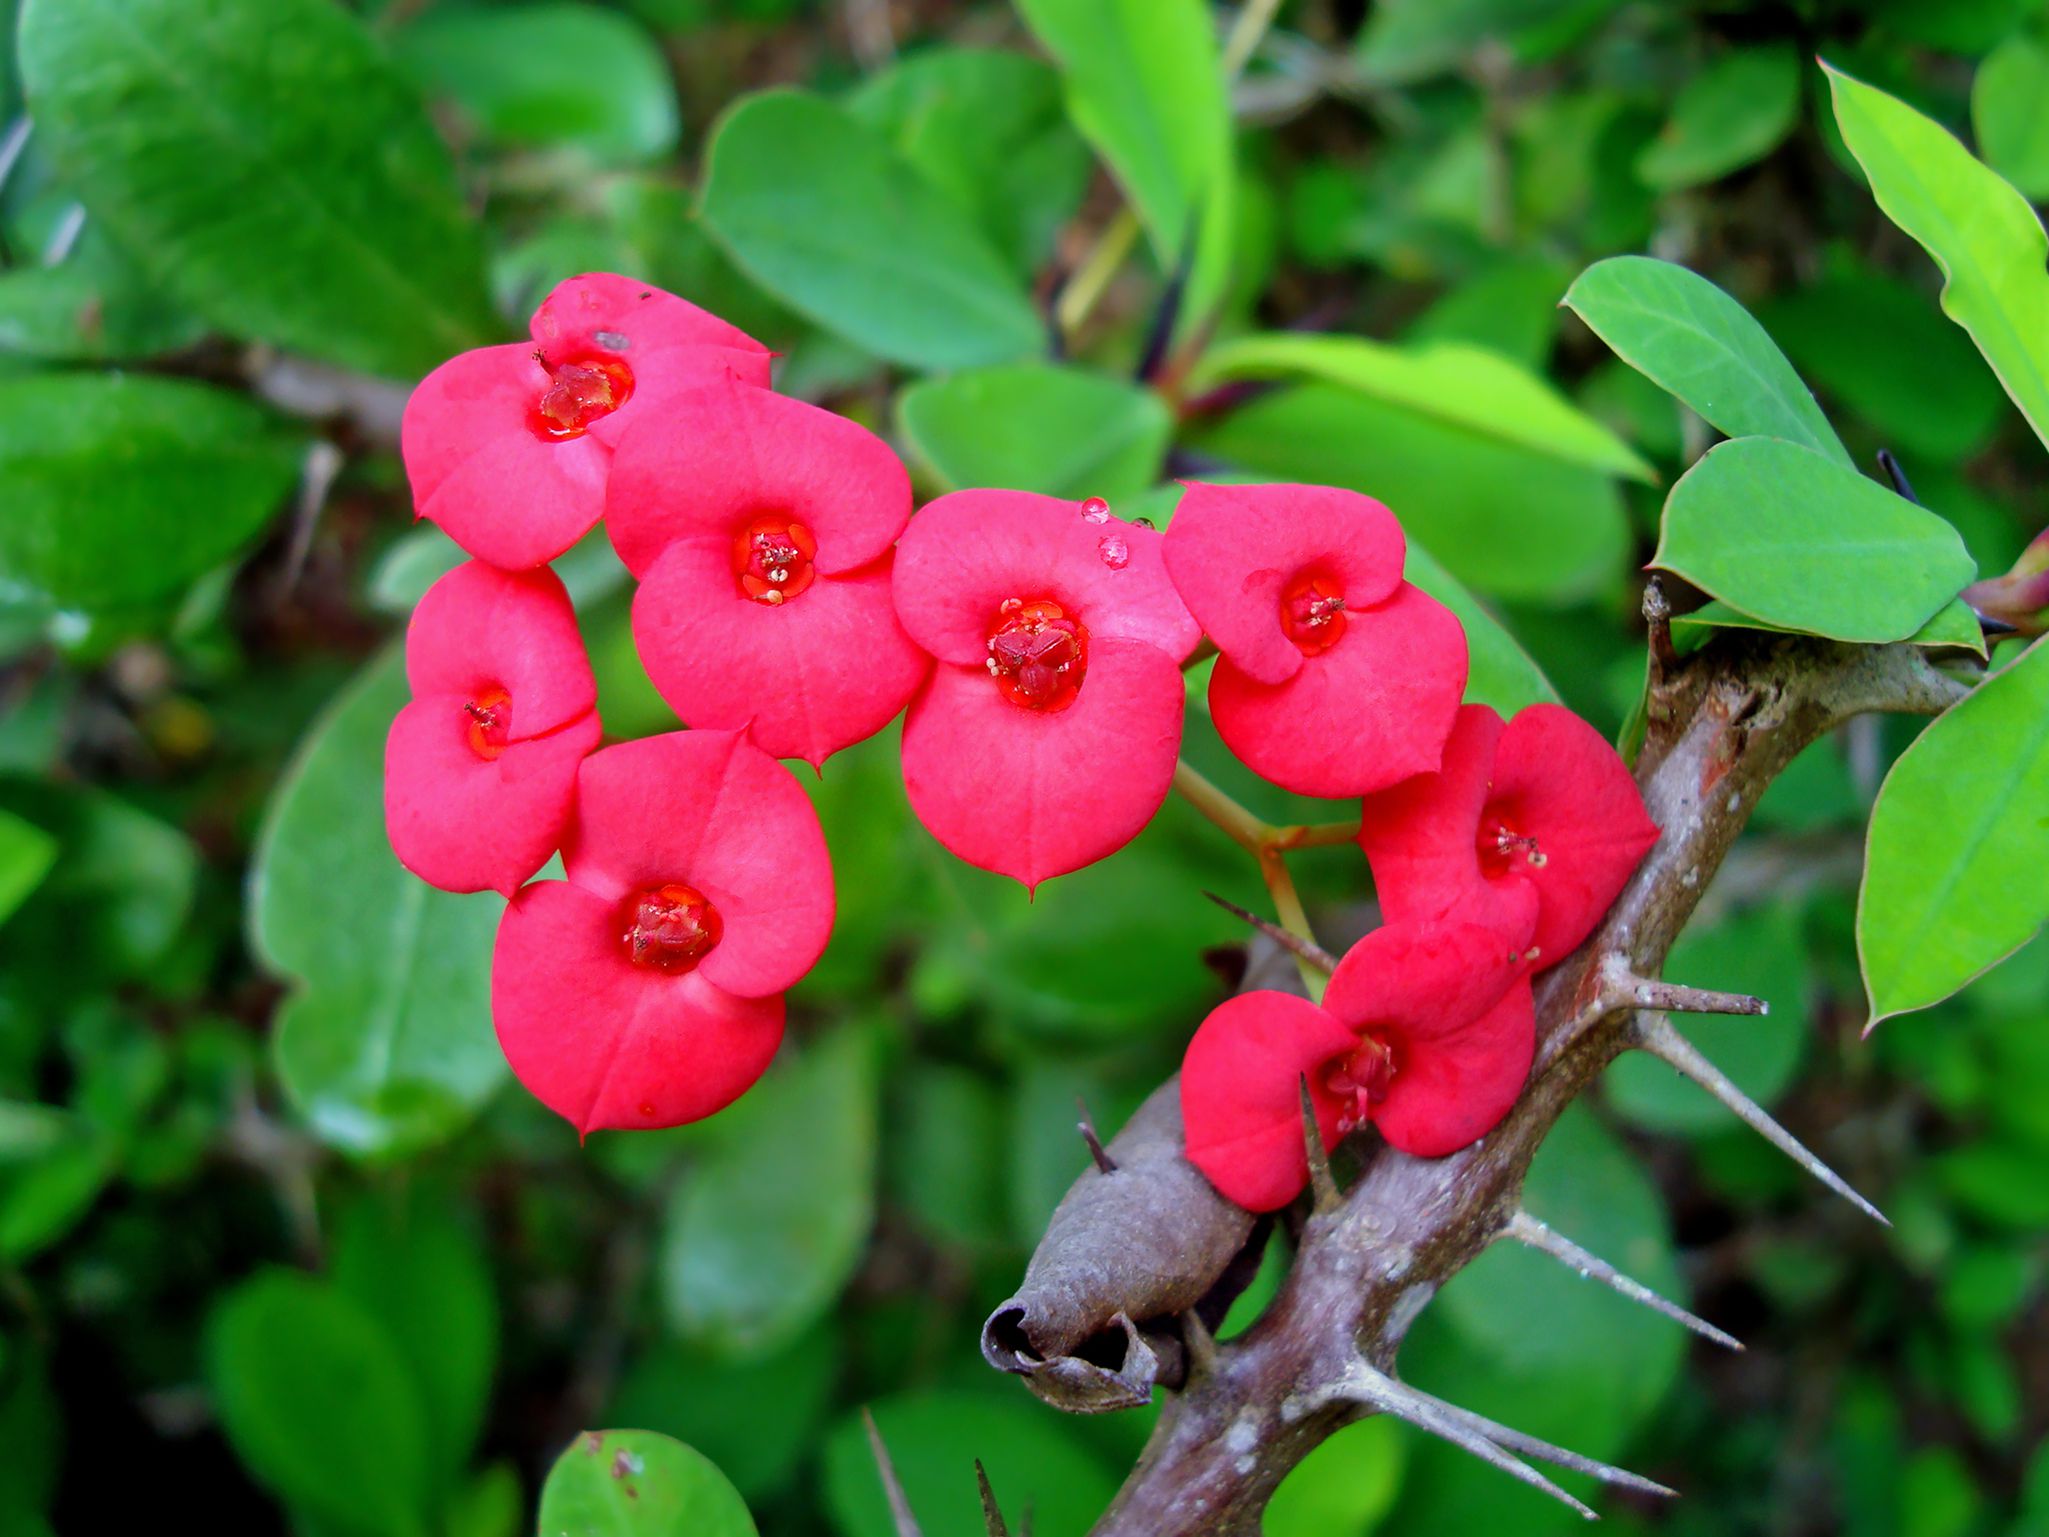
1094,1324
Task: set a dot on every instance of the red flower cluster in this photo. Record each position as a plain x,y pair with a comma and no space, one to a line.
791,605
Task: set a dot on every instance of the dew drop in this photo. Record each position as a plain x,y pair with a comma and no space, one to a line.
1095,510
1115,552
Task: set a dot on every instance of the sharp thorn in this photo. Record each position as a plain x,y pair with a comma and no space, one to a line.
892,1487
1655,1034
1200,1344
1630,991
1531,1446
1391,1397
1323,1188
1527,1229
1294,944
992,1513
1105,1164
1160,331
1898,476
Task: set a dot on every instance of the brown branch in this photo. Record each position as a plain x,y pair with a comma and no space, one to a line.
1721,725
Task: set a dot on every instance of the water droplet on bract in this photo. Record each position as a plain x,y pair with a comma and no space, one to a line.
614,340
1010,605
1144,523
1115,552
1095,510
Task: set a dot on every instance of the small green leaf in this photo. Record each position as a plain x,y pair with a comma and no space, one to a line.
989,129
385,1043
1954,624
547,76
1730,115
822,212
1959,839
123,489
1146,87
316,1402
762,1233
1345,1486
1983,235
1693,340
1464,386
1781,533
94,306
26,854
265,160
1499,672
635,1483
1038,427
2007,116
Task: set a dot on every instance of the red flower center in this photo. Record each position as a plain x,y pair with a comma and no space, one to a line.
670,928
490,716
772,559
580,390
1037,655
1500,845
1362,1078
1313,612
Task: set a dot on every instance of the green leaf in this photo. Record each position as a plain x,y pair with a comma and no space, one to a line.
264,160
1781,533
385,1043
763,1233
1954,625
1758,951
1035,1462
1983,235
987,128
2006,112
1693,340
1146,87
1502,519
1345,1486
26,854
1463,386
634,1483
95,305
1959,839
1499,672
547,76
317,1403
119,489
822,212
411,1262
1038,427
1730,115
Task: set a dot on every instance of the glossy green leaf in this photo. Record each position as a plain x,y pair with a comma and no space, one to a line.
547,76
1463,386
385,1042
1344,1487
265,160
119,490
317,1404
1982,234
763,1232
1406,40
1499,672
635,1483
827,216
1681,331
1035,1462
26,854
1954,625
1501,519
1145,86
1959,838
409,1260
989,129
1730,115
2006,112
1781,533
96,305
1038,427
1759,951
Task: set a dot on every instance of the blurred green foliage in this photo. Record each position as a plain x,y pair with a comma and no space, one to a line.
276,1238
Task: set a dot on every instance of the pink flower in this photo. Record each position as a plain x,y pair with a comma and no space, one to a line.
1540,807
761,529
646,989
1335,677
480,769
1427,1031
1047,735
507,447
